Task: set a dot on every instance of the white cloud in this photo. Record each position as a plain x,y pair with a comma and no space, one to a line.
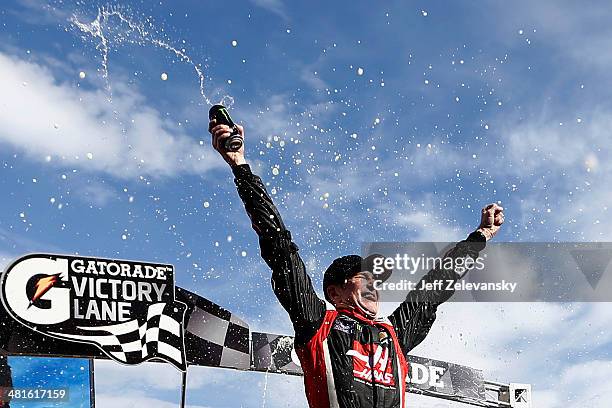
275,6
16,244
156,376
546,142
268,121
96,193
51,120
566,162
135,400
429,227
578,33
35,12
586,385
308,75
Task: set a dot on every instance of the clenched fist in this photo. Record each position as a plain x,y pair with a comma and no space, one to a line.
491,220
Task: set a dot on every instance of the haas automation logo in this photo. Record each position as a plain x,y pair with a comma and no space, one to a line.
379,366
127,309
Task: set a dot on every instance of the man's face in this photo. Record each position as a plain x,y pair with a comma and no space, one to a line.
358,291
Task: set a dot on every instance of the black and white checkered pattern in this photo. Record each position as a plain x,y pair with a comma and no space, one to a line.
133,342
214,336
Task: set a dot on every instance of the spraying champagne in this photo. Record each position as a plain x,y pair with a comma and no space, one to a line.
220,114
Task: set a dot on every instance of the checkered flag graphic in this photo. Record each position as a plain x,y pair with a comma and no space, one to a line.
133,342
214,336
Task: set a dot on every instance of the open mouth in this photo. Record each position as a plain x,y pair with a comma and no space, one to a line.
369,296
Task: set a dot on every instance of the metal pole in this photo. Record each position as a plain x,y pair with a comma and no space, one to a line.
92,384
183,387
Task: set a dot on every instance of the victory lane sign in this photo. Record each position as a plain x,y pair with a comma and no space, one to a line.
126,308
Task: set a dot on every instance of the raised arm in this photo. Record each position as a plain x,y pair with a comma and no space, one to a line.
290,282
414,317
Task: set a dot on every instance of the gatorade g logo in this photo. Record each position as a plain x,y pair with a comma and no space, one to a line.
125,308
36,291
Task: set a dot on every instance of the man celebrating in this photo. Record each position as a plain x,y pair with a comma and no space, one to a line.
351,357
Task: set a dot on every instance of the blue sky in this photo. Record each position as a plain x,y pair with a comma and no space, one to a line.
369,122
67,374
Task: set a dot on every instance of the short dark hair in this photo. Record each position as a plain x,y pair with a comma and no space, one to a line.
345,267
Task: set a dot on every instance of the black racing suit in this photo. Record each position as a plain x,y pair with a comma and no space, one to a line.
356,381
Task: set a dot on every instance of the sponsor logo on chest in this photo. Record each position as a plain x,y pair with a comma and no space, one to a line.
372,360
